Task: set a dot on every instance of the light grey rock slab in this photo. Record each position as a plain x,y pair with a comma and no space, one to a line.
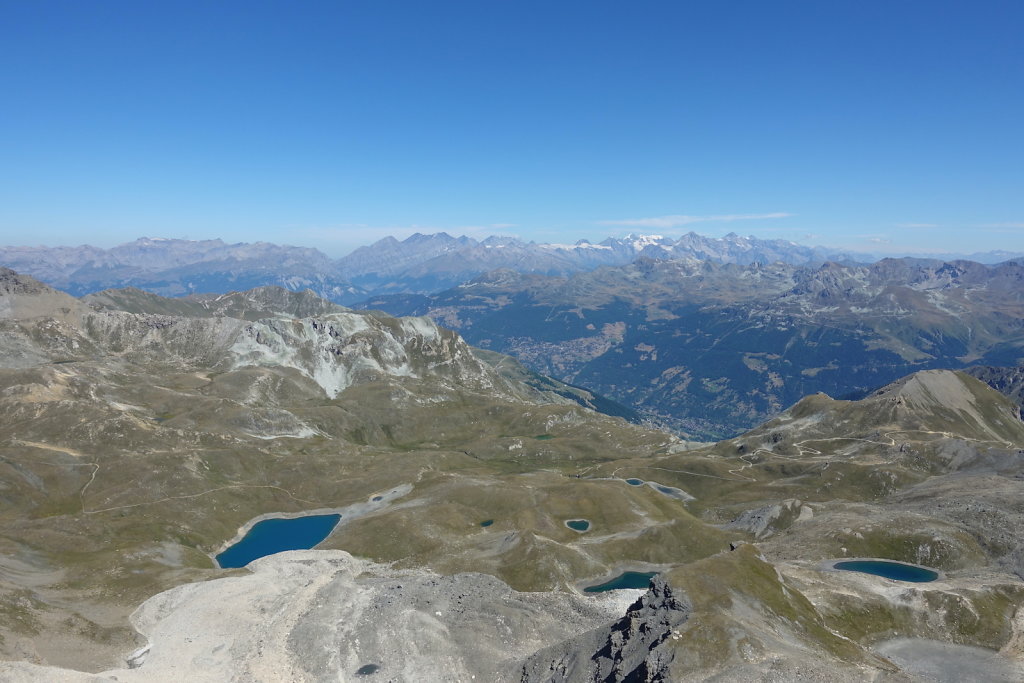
324,615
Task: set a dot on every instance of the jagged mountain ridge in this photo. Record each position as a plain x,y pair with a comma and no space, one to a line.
419,263
269,327
259,302
276,302
427,263
175,267
716,348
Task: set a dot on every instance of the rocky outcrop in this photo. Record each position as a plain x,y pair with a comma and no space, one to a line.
636,647
766,520
342,349
23,297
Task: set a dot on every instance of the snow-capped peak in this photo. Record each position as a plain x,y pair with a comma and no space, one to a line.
638,242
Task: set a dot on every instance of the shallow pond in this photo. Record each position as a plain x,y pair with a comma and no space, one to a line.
580,525
277,535
670,491
889,569
640,580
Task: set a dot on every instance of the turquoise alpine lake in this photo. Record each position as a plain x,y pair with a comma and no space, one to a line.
277,535
625,580
889,570
578,524
635,482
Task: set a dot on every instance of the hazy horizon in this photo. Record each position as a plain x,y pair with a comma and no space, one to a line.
868,256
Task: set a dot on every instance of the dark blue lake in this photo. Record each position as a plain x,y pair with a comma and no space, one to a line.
889,570
277,535
624,580
578,524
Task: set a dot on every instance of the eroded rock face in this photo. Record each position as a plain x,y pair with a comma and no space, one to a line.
768,519
334,347
342,349
635,647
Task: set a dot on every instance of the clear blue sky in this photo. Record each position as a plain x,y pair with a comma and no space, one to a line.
880,125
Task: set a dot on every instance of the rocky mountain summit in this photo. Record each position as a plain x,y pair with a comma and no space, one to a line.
476,501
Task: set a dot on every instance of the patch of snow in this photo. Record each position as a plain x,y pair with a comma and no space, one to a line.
304,433
638,242
571,247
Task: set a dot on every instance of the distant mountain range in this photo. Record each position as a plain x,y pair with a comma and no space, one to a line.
172,267
712,349
430,263
418,264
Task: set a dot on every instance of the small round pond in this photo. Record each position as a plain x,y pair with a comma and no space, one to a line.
889,569
277,535
640,580
579,525
635,482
